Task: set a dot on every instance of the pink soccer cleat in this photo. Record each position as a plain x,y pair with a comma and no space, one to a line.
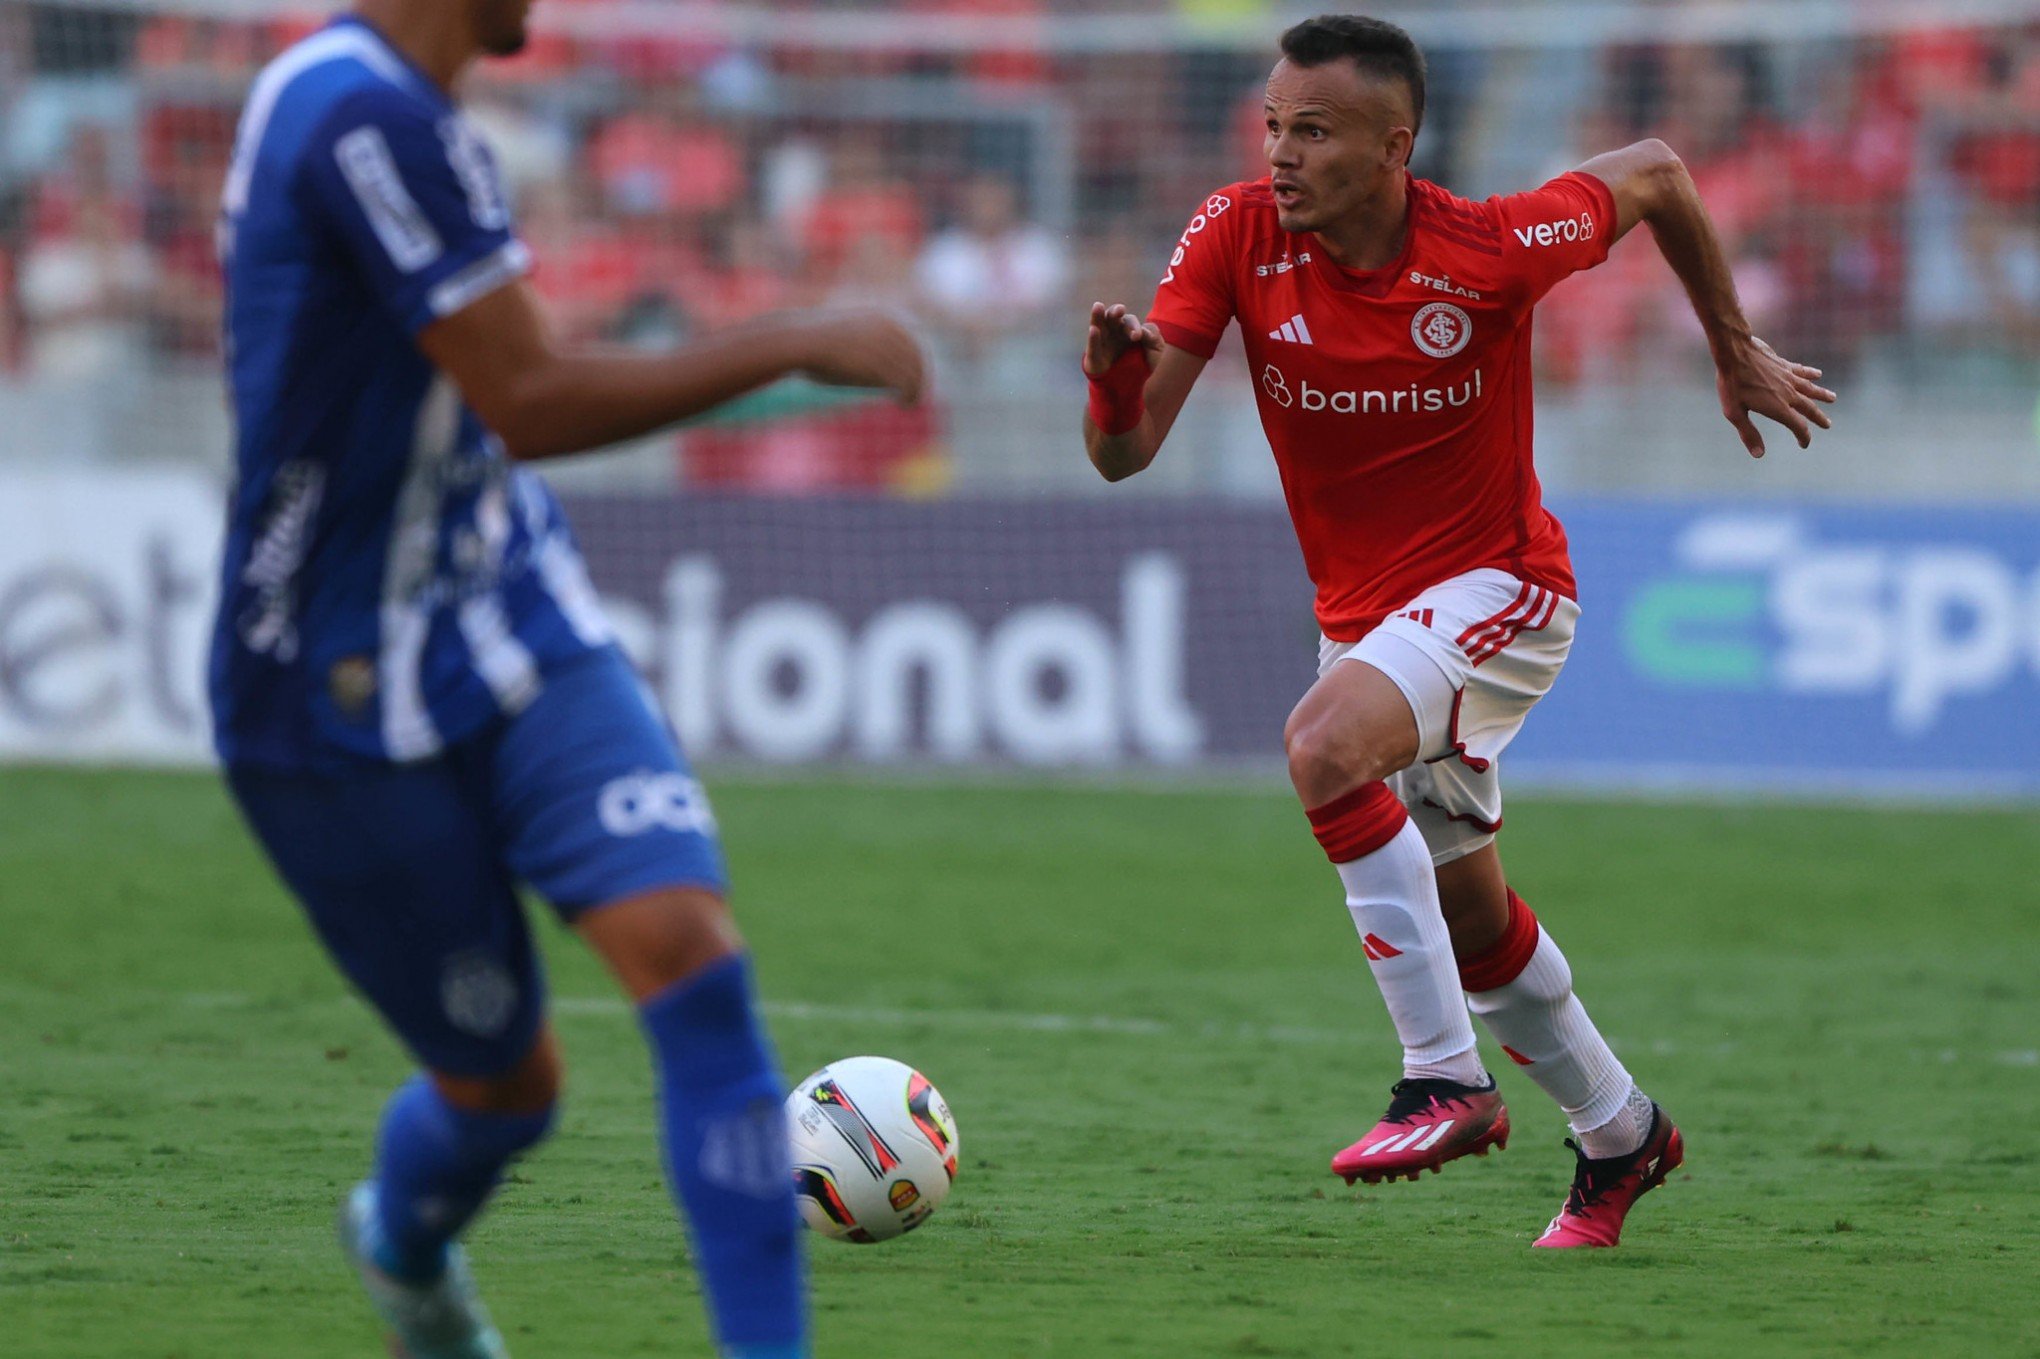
1602,1191
1428,1123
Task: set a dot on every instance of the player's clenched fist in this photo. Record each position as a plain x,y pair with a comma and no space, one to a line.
1114,331
864,347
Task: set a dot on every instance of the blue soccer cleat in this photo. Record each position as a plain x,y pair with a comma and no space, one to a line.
444,1319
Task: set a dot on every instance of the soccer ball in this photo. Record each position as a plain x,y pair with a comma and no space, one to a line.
874,1149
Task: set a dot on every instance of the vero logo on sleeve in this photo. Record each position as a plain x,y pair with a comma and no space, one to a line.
1564,231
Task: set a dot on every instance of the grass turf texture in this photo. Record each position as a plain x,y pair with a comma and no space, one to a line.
1837,1004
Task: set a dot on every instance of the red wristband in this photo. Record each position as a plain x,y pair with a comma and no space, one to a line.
1118,399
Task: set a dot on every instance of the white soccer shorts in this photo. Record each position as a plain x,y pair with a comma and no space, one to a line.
1472,656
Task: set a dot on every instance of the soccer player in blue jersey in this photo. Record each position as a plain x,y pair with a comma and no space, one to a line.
416,698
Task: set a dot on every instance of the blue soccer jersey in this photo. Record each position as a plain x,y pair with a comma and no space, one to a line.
391,583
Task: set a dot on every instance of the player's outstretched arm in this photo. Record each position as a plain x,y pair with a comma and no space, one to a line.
1138,386
1650,184
544,399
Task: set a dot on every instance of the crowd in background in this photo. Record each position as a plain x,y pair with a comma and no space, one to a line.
1882,201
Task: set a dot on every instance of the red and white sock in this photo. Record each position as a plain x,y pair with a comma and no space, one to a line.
1392,893
1522,990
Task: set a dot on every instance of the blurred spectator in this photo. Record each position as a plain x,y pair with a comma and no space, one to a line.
1879,197
1998,162
185,153
584,267
85,276
750,272
13,328
1016,66
1628,321
667,161
867,212
1850,171
993,274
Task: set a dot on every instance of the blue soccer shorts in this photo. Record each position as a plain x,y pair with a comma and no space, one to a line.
409,873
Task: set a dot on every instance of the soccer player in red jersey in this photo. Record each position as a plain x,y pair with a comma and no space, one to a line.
1387,325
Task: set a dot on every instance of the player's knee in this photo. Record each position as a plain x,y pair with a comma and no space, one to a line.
654,941
1476,914
530,1088
1325,762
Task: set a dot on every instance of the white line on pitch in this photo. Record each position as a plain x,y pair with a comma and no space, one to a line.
1020,1021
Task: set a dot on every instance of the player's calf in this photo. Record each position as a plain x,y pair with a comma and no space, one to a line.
726,1144
722,1106
442,1149
1522,989
437,1163
1392,897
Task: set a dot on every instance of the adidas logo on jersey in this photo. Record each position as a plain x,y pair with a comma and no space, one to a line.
1292,330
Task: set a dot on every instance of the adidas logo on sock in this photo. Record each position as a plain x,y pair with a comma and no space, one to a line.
1292,330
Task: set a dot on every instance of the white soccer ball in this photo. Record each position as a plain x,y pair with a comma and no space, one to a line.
874,1149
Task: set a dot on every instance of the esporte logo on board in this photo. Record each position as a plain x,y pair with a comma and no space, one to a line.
1763,602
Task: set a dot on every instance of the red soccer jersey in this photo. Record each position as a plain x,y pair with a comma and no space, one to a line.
1398,400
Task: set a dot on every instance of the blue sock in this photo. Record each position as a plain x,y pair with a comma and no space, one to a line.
726,1153
436,1165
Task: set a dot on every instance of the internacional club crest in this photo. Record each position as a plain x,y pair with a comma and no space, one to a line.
1441,329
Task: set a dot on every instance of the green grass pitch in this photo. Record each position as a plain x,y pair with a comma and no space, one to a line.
1153,1022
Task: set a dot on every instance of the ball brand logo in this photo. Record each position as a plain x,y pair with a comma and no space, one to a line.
864,1140
1441,329
1411,400
903,1195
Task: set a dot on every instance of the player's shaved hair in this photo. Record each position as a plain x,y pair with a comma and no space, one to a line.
1376,46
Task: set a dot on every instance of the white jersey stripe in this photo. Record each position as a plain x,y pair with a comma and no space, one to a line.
1302,330
565,578
408,733
408,569
504,662
479,279
334,44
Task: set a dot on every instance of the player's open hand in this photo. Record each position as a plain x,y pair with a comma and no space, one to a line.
1114,330
1756,380
866,347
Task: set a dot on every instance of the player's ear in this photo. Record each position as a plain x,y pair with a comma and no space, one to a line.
1400,144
